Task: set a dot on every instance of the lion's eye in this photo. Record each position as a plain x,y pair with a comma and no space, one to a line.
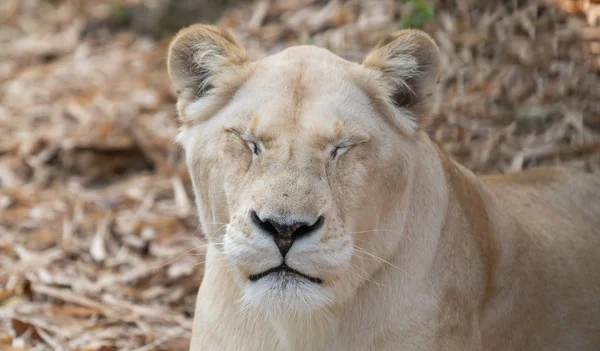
254,148
338,150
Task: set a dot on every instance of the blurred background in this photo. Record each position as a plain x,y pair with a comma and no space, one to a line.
99,247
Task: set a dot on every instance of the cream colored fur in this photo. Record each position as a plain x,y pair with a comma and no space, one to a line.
416,252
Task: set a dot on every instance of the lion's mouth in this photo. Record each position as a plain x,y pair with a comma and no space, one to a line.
283,269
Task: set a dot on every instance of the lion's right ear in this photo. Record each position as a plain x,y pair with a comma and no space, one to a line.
407,67
197,56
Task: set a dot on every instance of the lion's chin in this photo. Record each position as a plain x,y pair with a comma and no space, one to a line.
286,293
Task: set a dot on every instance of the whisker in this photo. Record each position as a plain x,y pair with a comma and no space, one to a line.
203,262
221,227
361,250
367,277
196,236
178,257
372,231
198,230
370,278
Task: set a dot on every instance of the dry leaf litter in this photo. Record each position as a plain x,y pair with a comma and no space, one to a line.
99,247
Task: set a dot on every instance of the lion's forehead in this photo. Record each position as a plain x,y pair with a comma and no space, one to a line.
312,69
307,92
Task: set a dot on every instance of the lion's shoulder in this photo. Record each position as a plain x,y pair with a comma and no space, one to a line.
538,176
554,182
551,199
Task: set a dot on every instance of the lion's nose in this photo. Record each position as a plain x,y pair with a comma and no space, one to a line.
284,234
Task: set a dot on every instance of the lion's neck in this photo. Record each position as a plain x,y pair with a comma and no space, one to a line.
421,213
451,231
464,231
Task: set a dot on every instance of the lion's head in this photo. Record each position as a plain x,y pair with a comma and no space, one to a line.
300,159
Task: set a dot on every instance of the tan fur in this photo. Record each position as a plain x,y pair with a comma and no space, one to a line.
415,253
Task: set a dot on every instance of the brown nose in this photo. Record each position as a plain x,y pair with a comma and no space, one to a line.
285,234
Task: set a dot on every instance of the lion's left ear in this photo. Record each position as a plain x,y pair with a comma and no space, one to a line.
407,66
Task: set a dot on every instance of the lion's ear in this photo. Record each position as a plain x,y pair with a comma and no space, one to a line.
407,63
197,55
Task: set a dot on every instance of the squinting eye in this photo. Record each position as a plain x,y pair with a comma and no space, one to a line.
254,147
338,150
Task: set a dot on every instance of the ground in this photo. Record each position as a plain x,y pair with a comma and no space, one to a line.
99,247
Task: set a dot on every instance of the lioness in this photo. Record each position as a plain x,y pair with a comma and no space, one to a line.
335,223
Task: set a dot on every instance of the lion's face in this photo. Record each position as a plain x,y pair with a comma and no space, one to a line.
296,161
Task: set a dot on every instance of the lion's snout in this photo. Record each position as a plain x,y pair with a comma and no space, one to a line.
285,230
